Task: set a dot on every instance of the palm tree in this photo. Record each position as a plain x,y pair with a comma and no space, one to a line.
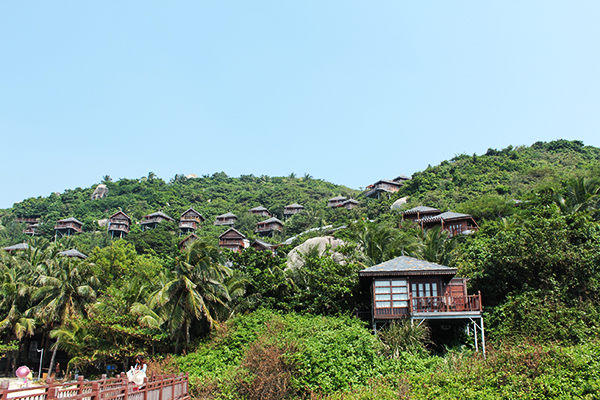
436,245
14,299
581,194
192,291
63,288
377,243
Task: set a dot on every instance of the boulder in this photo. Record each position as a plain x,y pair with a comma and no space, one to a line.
100,192
295,256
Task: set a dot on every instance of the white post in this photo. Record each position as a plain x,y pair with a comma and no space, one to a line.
482,338
475,331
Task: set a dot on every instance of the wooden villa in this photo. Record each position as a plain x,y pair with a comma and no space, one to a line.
269,226
68,227
187,241
226,219
419,212
190,220
260,210
453,223
233,240
259,245
349,204
409,288
32,224
292,209
336,201
383,186
151,221
118,224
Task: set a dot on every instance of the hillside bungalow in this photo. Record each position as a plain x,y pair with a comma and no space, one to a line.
32,224
260,210
419,212
336,201
453,223
259,245
268,226
73,253
349,204
68,227
383,186
151,221
233,240
190,220
226,219
187,241
118,224
292,209
409,288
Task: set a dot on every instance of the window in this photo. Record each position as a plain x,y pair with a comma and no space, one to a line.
391,293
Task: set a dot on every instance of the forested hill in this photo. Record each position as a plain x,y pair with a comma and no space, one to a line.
484,186
210,195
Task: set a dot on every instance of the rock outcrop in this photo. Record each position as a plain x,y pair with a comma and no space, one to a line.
100,192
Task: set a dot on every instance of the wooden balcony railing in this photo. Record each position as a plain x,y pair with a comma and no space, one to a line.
155,387
446,303
67,226
432,304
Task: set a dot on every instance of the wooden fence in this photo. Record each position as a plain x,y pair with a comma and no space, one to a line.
156,387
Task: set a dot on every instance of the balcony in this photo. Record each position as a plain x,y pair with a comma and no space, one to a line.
433,307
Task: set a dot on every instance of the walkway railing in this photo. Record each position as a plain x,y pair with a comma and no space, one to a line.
156,387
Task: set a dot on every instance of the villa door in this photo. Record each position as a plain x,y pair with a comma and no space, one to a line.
425,294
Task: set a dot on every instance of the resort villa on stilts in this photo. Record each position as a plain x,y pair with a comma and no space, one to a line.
408,288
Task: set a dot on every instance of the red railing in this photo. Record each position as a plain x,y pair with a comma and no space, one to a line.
156,387
432,304
446,303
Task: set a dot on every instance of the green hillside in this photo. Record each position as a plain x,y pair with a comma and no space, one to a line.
245,324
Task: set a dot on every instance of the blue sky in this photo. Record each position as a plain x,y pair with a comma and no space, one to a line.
346,91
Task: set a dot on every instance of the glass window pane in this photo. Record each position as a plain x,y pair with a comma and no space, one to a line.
401,304
414,289
382,297
382,289
434,291
382,283
403,296
427,292
383,304
403,289
397,289
420,290
401,282
396,297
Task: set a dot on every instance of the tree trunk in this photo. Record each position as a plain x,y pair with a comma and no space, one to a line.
52,359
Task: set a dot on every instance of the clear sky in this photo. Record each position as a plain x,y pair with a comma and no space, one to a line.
346,91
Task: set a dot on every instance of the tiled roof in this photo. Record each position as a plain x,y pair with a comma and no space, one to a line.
268,221
70,219
73,253
19,246
159,214
295,205
263,244
192,209
120,212
236,231
447,216
409,266
350,201
259,208
338,198
419,209
227,215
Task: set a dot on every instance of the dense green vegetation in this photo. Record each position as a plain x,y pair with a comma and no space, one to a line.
253,327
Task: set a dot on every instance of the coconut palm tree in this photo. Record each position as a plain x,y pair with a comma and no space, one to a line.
192,291
63,288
